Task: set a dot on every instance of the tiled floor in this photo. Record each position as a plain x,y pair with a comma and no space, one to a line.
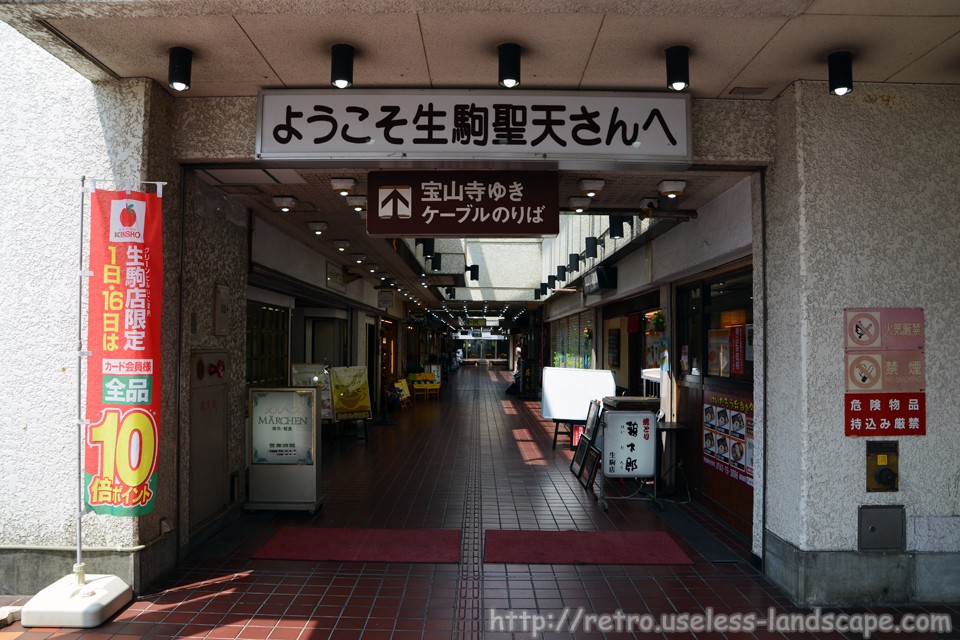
478,459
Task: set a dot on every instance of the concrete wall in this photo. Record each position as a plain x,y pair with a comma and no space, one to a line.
214,255
862,211
60,129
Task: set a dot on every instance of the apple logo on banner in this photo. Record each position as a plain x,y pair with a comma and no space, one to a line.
126,220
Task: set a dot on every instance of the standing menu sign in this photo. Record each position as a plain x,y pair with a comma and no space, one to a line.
351,395
629,444
316,376
282,426
121,445
284,450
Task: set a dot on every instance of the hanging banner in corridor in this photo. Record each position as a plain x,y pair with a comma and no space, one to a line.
123,337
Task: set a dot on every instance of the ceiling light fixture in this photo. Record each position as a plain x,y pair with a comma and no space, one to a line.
840,66
543,288
574,264
372,267
343,186
341,66
578,204
341,245
474,271
359,203
284,203
178,71
509,54
536,294
428,246
590,246
590,187
678,68
551,282
562,273
317,227
671,188
359,258
436,261
616,225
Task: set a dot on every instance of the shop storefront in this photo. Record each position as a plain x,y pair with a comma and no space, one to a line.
714,375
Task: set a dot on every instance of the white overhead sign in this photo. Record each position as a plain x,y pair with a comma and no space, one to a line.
319,124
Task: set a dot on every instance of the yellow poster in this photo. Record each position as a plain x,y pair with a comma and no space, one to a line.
351,395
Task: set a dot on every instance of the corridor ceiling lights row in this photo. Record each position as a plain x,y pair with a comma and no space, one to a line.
677,59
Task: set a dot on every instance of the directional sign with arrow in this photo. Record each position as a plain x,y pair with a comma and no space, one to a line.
393,201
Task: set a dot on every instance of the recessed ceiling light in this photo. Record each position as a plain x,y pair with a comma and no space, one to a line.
343,186
284,203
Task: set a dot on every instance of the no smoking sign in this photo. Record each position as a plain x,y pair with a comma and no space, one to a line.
863,329
864,372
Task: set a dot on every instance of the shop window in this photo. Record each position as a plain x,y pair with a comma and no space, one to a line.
690,331
715,329
268,345
572,341
729,311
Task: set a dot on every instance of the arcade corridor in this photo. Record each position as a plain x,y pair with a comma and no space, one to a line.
477,460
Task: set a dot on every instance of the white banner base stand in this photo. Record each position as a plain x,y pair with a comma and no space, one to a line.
84,603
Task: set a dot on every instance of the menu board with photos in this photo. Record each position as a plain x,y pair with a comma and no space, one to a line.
305,374
728,434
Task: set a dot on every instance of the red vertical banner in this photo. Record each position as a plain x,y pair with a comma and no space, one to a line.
123,337
738,349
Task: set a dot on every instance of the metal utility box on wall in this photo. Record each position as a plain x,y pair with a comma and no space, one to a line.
881,528
883,465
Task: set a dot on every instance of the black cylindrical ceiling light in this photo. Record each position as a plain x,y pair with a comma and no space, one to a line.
509,53
543,288
341,66
678,68
427,247
574,262
474,271
562,273
178,72
536,294
616,227
551,282
840,65
436,261
590,248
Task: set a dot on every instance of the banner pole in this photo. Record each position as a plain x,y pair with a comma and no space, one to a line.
78,567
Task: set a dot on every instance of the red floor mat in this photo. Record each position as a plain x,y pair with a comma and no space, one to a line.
582,547
362,545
